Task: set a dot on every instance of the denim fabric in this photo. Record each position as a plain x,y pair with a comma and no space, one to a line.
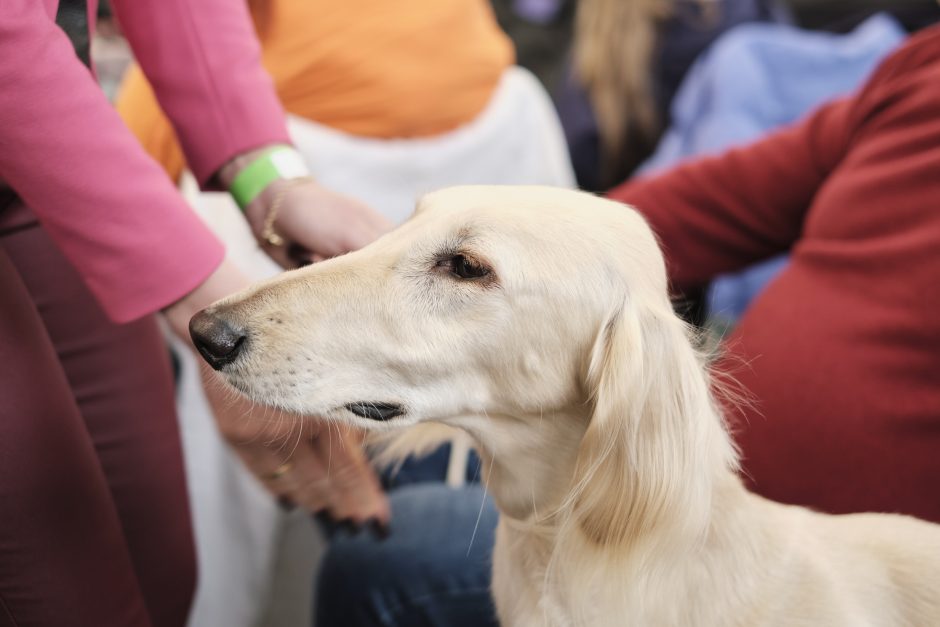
432,571
430,468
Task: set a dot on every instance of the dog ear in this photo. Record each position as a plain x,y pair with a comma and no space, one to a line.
642,461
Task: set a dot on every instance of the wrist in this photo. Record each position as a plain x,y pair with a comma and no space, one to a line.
236,164
250,174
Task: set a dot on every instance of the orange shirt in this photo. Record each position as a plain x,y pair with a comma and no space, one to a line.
376,68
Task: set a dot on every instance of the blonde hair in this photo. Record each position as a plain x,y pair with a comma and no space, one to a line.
614,46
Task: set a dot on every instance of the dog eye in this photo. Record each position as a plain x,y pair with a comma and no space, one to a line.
463,268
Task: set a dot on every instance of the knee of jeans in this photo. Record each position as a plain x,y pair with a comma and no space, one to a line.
348,575
439,547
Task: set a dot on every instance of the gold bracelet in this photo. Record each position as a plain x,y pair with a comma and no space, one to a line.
268,234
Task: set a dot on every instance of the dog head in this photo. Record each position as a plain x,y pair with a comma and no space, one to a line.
488,300
501,303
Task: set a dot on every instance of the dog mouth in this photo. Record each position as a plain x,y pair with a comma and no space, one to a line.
376,411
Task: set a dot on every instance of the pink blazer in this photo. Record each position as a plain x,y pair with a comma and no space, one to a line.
67,154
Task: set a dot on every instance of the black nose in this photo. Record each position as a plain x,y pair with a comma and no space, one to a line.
217,340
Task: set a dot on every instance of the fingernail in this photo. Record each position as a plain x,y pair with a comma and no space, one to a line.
349,526
324,519
379,529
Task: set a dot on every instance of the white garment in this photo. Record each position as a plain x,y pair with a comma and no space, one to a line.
516,140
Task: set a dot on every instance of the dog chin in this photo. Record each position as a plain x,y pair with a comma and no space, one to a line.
372,415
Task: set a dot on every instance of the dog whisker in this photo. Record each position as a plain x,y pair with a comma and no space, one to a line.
476,525
300,435
329,446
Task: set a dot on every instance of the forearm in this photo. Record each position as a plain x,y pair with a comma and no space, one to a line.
203,61
109,208
720,214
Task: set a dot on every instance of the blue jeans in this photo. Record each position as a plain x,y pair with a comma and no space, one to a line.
433,569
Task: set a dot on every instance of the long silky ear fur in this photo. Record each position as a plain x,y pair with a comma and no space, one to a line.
655,443
647,467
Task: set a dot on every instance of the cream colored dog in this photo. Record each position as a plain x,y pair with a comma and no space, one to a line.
537,320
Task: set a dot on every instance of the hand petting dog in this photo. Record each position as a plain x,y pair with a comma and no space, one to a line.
302,461
299,459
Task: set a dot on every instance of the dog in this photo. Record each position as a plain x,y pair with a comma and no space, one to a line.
538,321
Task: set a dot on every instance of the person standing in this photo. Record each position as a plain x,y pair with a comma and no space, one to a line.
94,239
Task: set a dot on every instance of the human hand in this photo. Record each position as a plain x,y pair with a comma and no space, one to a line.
314,222
301,460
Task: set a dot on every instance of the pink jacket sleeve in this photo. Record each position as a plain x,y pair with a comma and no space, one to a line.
204,62
110,209
66,152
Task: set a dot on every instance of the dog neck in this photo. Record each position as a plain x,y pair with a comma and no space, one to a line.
542,569
528,461
530,465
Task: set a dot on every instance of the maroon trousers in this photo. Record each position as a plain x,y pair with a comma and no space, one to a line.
94,519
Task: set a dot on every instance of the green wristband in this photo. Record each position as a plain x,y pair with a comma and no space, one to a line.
280,162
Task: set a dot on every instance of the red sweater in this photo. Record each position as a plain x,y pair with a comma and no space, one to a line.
841,352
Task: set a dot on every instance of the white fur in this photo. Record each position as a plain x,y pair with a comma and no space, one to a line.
601,442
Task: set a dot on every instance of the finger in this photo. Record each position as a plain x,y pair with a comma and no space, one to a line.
264,464
356,492
382,224
369,227
265,444
301,256
309,483
280,254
